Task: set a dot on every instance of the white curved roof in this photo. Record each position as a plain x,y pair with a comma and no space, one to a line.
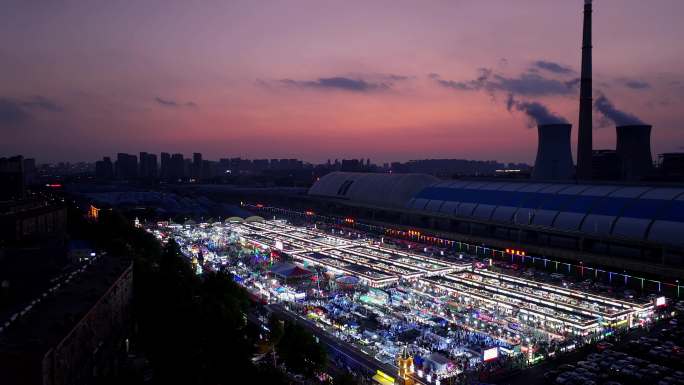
372,188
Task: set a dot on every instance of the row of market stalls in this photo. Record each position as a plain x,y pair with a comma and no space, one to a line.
450,310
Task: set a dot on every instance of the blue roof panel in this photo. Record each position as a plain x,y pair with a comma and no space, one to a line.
556,202
674,212
597,208
582,204
610,206
534,200
644,208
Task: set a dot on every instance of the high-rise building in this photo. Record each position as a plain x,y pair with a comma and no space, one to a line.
12,178
33,221
177,167
148,165
196,169
207,169
30,177
187,168
104,169
351,165
165,164
260,165
126,166
224,164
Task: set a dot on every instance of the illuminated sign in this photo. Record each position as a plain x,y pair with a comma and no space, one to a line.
491,354
660,301
515,252
383,378
93,212
279,245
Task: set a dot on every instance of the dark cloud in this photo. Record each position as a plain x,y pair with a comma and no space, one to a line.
339,83
620,118
527,84
537,112
531,84
572,83
172,103
396,77
41,102
11,113
353,82
481,82
636,84
553,67
18,111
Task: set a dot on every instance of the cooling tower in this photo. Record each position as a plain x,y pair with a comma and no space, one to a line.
554,157
634,151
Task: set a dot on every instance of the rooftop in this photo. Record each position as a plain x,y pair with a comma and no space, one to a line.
62,307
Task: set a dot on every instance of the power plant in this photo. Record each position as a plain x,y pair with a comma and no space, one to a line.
634,151
554,157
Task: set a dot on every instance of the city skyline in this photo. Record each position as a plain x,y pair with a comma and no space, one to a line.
390,83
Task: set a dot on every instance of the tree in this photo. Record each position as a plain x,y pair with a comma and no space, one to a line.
226,349
277,330
345,379
300,351
269,375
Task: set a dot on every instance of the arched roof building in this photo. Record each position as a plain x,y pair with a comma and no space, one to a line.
635,212
642,213
391,190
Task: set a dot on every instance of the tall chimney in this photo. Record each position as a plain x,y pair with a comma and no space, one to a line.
584,145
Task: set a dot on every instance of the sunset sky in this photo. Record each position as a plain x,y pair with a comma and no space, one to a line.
386,80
